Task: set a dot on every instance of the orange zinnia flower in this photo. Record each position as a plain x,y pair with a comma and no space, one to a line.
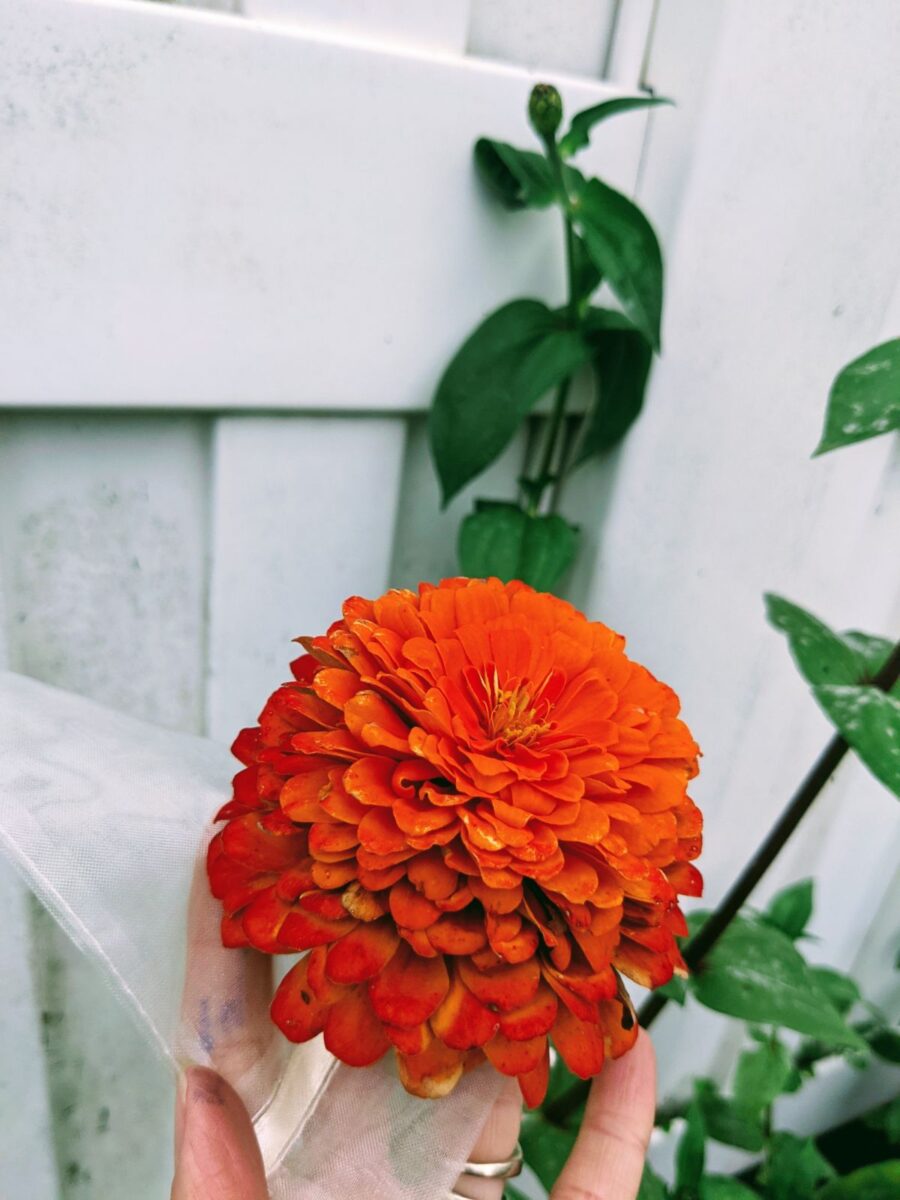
471,809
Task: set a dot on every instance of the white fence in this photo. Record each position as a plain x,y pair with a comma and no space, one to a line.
233,259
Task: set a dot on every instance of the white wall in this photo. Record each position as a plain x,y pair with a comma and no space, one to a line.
159,560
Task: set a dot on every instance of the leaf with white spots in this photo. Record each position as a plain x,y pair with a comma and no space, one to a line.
869,719
864,400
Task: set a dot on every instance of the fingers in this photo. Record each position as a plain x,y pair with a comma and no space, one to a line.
496,1142
608,1157
225,1005
216,1155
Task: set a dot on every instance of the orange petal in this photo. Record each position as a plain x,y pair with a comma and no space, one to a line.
461,1021
515,1058
410,1041
301,930
533,1084
433,1073
496,899
458,933
331,836
369,780
376,723
333,875
430,875
363,904
380,834
532,1019
577,880
579,1043
504,987
410,909
247,842
363,952
409,989
295,1009
353,1032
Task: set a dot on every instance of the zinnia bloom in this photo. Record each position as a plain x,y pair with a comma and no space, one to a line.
470,808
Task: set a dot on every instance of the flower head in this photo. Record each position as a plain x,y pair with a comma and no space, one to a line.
471,808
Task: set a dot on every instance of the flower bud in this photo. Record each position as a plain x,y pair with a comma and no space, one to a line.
545,109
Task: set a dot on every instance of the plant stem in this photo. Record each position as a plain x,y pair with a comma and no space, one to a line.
722,916
545,474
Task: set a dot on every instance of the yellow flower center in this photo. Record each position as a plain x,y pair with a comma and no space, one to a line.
513,713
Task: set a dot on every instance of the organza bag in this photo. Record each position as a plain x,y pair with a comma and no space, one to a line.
107,819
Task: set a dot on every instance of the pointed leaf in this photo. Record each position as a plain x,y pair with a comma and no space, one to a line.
761,1076
494,380
823,656
518,178
865,399
791,908
841,990
579,132
502,540
879,1181
690,1155
869,720
652,1187
725,1121
625,250
754,972
794,1169
622,357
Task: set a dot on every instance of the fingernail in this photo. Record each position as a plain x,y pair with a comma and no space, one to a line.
180,1111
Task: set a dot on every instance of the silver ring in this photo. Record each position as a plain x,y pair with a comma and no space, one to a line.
508,1168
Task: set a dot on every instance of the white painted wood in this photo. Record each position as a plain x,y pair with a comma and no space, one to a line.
630,41
573,37
102,544
772,288
426,24
210,212
303,516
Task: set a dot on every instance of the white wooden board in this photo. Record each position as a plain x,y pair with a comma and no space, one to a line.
201,210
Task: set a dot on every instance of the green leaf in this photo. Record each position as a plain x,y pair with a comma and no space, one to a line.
794,1168
885,1042
726,1122
493,381
676,989
502,540
585,276
652,1187
579,132
880,1181
869,720
761,1076
723,1187
823,656
622,357
690,1155
840,989
625,250
865,399
791,909
754,972
518,178
546,1147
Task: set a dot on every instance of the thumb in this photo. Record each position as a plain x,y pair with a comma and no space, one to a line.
216,1153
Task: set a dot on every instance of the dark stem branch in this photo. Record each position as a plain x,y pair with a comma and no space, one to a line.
713,928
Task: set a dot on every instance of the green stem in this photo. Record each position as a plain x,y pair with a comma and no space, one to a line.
545,475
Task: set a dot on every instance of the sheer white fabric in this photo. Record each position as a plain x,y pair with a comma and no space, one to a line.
106,818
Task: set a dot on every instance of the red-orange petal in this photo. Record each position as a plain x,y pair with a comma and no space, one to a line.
533,1084
515,1058
532,1019
462,1021
295,1009
580,1043
433,1073
410,988
353,1033
506,987
363,952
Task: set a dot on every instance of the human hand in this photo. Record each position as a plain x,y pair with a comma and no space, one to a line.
216,1152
